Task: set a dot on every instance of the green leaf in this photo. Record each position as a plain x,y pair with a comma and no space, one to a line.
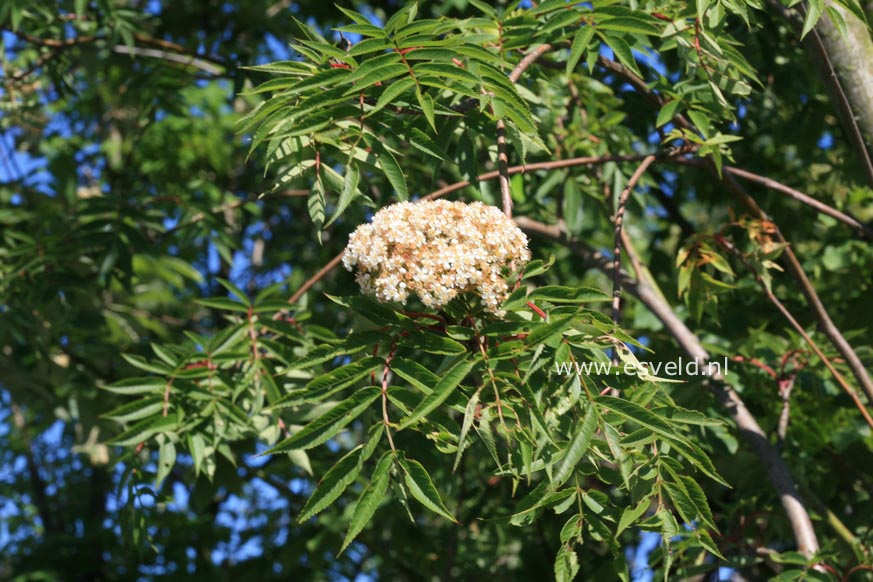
422,488
702,7
452,378
370,499
143,364
545,331
469,417
581,40
630,515
683,504
434,344
706,541
667,112
300,459
137,410
425,101
144,430
571,207
166,461
566,564
414,373
623,51
224,303
197,448
328,384
140,385
329,424
567,295
576,449
699,459
630,24
423,143
538,267
381,74
234,290
349,192
391,93
813,13
332,485
392,171
316,205
695,493
640,415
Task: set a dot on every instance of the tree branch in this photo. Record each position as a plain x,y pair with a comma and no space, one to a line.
859,227
502,155
616,256
773,464
195,62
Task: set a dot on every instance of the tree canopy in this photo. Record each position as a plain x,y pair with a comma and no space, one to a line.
676,385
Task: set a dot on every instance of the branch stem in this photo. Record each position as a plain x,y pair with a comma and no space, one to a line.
616,257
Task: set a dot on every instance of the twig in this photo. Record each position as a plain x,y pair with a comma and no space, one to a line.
385,420
773,464
167,389
825,360
195,62
785,386
316,278
503,168
529,59
502,156
616,257
862,229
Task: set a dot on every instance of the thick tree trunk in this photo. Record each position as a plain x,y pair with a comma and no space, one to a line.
852,60
846,65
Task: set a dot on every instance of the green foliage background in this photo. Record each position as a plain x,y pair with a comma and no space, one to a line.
149,353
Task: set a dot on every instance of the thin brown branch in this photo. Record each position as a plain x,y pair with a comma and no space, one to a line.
529,59
52,42
616,257
818,352
187,60
502,155
646,291
210,65
503,169
862,229
786,385
330,266
385,419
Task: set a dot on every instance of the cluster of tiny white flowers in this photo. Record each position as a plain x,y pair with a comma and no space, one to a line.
437,250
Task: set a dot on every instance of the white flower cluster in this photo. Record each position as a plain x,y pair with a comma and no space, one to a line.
437,250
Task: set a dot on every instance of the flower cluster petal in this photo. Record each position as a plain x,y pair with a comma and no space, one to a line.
437,250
